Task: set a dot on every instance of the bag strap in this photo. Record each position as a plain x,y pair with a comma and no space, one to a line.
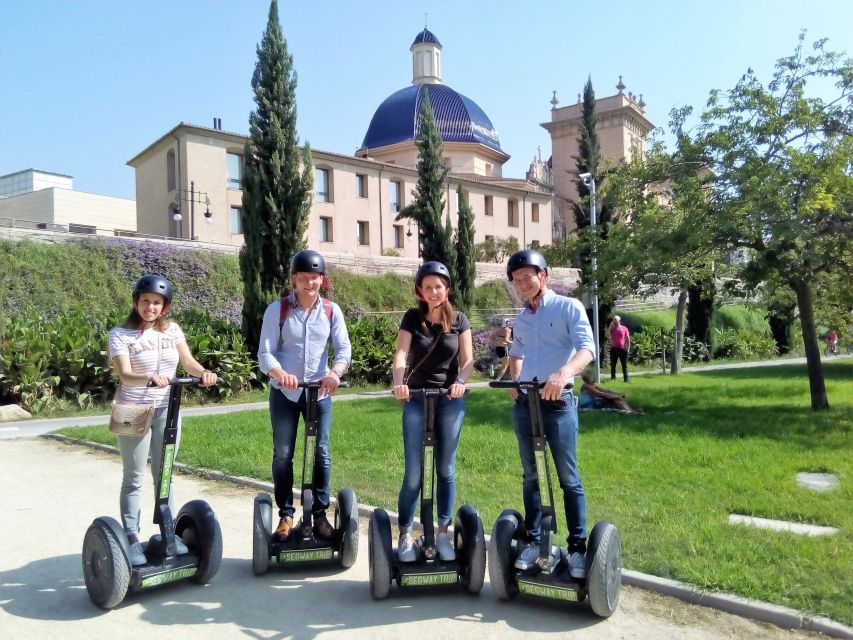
286,305
426,355
159,354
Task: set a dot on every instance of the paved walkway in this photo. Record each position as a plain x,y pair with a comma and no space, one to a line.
52,491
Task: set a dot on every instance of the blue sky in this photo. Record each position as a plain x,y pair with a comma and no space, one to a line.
85,85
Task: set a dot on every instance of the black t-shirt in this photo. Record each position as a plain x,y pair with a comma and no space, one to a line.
441,367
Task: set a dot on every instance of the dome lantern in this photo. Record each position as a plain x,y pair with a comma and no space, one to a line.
426,58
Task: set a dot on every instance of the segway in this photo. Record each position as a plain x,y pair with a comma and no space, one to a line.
107,569
549,577
302,546
469,542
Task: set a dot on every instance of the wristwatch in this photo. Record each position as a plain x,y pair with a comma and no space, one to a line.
460,381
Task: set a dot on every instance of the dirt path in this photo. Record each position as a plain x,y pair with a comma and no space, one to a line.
52,491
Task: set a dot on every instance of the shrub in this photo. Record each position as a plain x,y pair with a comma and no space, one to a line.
374,340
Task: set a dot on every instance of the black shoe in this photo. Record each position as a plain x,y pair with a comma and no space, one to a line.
628,380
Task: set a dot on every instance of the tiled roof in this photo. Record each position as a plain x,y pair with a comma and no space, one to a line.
459,118
426,36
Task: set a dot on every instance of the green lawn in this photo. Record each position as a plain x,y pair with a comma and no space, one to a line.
709,444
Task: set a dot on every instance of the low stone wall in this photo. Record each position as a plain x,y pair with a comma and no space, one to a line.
486,271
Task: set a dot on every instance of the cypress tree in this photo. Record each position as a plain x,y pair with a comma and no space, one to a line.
434,239
589,161
465,252
277,182
589,154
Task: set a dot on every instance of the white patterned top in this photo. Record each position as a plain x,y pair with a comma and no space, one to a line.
141,348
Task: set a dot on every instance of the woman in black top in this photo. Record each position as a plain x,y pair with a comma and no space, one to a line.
438,341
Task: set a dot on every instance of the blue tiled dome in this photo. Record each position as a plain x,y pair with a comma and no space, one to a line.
459,119
426,36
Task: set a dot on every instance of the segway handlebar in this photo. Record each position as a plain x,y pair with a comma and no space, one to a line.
316,384
522,385
185,381
428,391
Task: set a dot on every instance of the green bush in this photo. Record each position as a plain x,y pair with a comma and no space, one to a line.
50,362
741,344
374,340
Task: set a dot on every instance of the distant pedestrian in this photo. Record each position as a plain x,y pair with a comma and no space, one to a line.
503,340
620,342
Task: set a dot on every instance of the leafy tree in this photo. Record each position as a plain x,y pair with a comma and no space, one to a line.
784,186
491,250
465,253
700,312
662,248
435,242
277,182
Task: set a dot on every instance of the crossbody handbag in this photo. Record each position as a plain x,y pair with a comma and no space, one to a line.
128,419
426,355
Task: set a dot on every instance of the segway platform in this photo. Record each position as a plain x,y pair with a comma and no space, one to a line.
428,569
302,546
107,570
549,577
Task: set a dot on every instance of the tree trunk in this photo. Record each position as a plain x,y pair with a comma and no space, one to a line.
678,346
817,386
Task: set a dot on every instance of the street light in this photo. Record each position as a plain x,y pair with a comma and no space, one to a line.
192,196
589,183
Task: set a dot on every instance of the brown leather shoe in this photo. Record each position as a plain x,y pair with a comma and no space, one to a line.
282,531
322,528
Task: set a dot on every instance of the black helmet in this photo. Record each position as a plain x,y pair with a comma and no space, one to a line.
526,258
153,283
307,261
432,268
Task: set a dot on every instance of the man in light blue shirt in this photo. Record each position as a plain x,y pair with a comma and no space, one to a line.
553,341
294,348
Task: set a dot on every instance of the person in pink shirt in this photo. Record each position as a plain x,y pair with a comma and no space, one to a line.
620,342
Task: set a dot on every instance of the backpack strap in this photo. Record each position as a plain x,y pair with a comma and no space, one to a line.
286,306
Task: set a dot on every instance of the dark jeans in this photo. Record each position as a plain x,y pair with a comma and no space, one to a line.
622,356
561,432
284,415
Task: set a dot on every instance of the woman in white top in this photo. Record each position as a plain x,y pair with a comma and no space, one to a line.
144,340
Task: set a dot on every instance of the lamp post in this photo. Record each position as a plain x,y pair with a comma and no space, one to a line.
192,196
589,182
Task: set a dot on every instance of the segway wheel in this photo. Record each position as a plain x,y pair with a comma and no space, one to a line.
261,533
470,543
106,567
379,548
346,522
508,527
199,529
604,569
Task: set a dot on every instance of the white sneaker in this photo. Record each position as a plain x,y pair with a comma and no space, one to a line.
406,548
180,547
137,555
445,547
528,556
577,565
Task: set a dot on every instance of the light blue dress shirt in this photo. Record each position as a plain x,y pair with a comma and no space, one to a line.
547,339
304,340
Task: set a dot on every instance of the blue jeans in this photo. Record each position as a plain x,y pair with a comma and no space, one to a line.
561,432
284,415
448,424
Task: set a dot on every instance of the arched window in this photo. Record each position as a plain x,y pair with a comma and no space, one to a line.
170,171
